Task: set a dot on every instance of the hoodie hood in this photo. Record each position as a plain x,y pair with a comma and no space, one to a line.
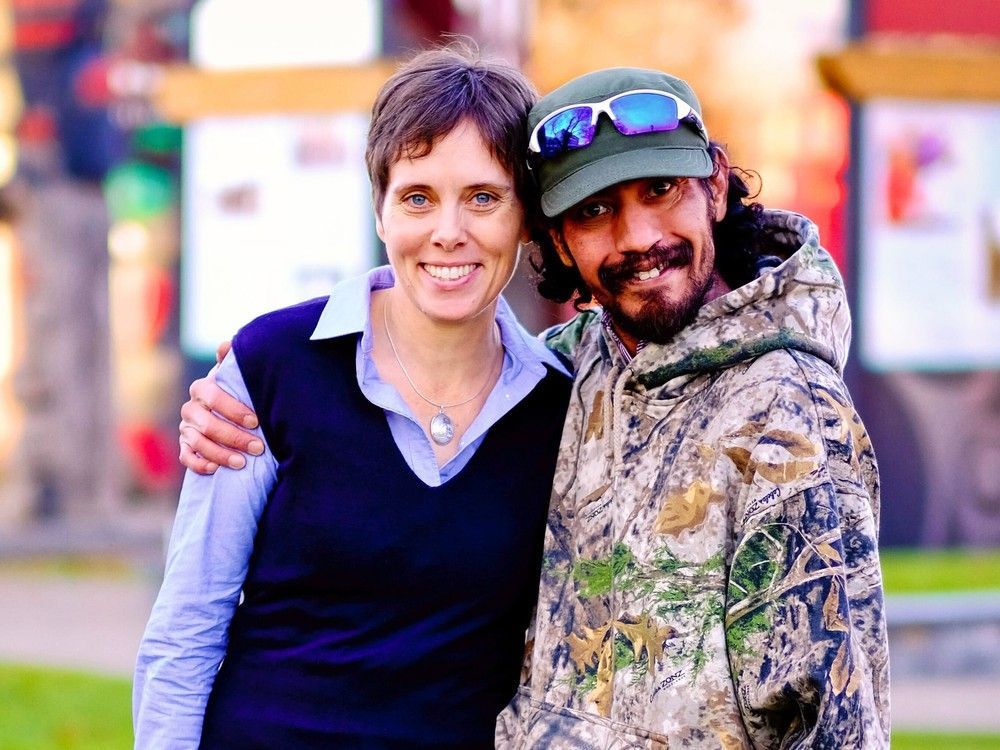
799,304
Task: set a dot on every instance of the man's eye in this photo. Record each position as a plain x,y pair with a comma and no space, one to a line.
592,210
662,187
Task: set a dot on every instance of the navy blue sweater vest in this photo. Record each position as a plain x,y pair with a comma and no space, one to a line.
378,612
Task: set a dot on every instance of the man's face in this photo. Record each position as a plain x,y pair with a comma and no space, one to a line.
644,248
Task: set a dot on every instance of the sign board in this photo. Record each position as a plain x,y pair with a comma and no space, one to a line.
929,252
275,207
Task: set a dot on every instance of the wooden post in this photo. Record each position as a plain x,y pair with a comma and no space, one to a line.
182,93
914,69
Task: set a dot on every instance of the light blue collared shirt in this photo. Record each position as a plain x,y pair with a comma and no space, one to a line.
217,515
524,363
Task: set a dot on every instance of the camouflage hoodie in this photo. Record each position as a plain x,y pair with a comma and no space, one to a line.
711,577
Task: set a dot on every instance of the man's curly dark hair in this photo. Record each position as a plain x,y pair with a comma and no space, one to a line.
739,238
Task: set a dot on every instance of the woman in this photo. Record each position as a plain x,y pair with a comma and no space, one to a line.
387,540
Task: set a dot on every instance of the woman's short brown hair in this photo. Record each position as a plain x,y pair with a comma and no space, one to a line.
428,96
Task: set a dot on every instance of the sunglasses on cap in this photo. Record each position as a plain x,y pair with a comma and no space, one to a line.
631,112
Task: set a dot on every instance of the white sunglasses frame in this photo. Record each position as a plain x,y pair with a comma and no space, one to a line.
684,112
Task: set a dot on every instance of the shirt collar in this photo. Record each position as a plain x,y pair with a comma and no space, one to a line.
346,312
619,344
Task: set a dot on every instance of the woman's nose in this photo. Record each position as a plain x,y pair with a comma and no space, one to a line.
449,232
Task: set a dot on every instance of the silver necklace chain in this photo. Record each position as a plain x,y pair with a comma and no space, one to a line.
442,429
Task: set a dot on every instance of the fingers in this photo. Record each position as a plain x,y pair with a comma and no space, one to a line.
206,393
193,461
207,441
203,455
204,427
223,350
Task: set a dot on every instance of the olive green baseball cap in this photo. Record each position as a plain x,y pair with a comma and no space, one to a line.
572,175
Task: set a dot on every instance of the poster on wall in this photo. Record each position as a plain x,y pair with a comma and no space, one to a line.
276,207
277,211
929,240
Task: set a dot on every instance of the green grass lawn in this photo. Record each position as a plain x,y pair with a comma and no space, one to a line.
48,709
909,571
72,566
914,741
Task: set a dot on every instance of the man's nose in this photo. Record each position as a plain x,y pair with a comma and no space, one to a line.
449,231
637,228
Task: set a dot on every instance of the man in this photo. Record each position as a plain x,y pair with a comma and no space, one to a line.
710,575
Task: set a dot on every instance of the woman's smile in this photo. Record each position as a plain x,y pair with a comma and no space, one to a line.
445,272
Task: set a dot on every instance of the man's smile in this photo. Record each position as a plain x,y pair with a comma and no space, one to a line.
647,266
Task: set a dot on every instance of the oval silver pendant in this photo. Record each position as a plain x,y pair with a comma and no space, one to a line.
442,429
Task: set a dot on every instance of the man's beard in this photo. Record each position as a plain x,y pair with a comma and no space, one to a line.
660,316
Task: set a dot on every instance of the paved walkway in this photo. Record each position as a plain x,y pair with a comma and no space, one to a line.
85,622
95,623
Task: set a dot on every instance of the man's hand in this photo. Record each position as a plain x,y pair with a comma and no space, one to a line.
207,440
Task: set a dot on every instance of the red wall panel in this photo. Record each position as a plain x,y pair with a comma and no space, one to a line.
933,17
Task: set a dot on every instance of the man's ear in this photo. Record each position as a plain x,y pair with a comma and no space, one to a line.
525,238
719,182
557,242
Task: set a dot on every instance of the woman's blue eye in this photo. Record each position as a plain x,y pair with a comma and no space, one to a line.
417,200
483,198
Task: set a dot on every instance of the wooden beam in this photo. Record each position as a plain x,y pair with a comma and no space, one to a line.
184,93
926,68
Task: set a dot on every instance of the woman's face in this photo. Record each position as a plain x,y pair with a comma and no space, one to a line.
451,223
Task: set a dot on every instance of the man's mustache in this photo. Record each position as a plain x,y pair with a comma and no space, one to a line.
614,277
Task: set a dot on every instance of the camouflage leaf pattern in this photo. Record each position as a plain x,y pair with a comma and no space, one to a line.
711,575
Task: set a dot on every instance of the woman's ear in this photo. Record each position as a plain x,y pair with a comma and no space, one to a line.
560,246
720,184
377,206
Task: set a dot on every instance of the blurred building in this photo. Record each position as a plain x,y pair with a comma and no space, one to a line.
924,82
125,257
93,226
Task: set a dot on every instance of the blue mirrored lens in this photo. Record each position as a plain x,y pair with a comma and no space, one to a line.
644,113
567,130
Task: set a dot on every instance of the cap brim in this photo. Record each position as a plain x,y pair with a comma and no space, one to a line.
629,165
